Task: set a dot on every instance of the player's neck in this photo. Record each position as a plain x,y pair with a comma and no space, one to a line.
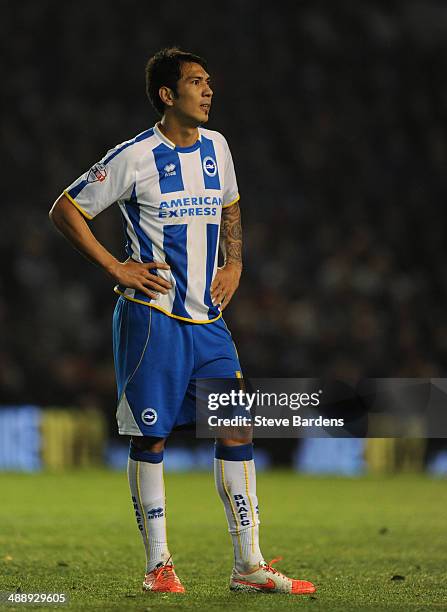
180,135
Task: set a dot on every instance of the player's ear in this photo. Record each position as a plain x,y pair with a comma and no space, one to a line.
166,95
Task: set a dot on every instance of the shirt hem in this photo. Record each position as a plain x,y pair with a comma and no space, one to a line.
232,202
169,314
81,210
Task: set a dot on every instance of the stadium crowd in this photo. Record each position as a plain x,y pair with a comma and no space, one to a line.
335,114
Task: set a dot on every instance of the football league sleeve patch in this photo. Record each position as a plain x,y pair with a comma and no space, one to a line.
107,181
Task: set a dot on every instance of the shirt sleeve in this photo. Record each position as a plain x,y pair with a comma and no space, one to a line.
107,181
231,191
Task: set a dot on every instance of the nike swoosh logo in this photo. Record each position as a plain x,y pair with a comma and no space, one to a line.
265,585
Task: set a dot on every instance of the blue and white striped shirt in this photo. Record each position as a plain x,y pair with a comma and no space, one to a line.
171,199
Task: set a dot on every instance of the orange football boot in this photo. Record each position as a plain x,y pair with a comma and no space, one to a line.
163,579
266,579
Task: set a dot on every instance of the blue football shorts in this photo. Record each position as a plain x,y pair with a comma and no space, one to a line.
157,361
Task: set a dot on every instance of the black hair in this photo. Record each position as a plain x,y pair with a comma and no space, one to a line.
165,68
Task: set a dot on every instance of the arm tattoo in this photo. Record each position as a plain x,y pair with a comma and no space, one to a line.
231,234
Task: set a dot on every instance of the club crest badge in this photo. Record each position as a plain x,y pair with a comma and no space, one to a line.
209,166
149,416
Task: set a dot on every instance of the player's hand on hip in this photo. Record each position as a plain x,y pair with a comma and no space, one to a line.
135,275
225,284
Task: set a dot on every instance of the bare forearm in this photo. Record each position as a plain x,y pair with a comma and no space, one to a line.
231,235
227,278
133,274
73,226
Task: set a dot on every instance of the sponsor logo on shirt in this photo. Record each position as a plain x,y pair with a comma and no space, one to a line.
170,170
190,207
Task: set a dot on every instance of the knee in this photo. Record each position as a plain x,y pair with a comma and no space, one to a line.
145,443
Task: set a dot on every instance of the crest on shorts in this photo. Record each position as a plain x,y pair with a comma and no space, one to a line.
149,416
97,172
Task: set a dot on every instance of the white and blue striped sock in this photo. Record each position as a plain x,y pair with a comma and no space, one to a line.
235,477
145,473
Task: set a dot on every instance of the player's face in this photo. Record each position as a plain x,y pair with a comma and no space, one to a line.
194,94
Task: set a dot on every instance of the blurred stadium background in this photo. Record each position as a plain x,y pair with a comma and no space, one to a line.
335,113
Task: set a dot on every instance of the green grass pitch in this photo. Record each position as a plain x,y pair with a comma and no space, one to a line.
76,533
